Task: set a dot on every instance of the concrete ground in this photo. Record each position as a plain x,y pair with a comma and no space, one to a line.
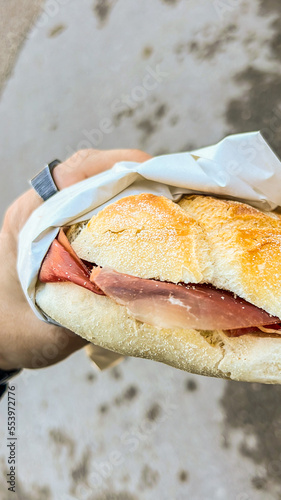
141,430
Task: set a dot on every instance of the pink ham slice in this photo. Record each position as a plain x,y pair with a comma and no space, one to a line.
167,305
63,264
62,239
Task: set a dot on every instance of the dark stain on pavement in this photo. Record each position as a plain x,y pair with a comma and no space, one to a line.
147,126
209,42
80,471
154,412
150,124
255,410
62,440
269,8
275,42
124,113
170,2
149,477
128,395
160,111
103,408
146,52
190,385
102,9
258,107
57,30
91,377
116,373
131,392
183,476
259,483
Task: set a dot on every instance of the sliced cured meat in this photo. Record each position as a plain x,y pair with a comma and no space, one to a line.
60,265
62,239
167,305
161,304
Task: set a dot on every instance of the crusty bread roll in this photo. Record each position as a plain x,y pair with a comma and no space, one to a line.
201,239
147,236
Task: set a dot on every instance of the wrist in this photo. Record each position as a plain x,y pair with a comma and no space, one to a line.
8,365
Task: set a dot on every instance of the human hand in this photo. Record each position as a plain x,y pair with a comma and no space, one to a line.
26,341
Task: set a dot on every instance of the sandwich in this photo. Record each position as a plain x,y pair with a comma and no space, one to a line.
194,284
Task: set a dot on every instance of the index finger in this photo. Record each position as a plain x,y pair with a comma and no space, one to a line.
88,162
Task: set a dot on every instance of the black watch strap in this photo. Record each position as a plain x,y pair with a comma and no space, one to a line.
5,376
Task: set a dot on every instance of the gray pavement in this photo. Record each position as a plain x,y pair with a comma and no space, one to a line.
163,76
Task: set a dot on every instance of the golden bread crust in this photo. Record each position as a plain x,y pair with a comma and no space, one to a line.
245,248
146,236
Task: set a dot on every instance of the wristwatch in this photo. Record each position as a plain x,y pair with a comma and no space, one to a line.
5,376
44,183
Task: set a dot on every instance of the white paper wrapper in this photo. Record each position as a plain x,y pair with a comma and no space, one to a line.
241,166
